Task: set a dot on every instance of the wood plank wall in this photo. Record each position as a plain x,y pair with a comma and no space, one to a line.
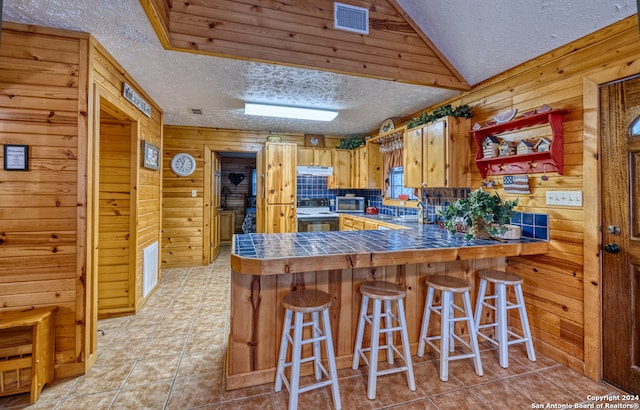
554,284
52,84
182,240
40,232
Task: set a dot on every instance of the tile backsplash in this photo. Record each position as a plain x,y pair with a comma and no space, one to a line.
532,225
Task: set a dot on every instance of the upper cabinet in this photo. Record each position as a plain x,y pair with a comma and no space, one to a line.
367,167
527,144
436,155
314,156
341,160
280,173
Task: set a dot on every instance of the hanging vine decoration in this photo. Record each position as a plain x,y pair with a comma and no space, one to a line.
443,111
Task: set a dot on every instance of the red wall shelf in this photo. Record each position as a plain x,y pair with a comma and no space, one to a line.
549,161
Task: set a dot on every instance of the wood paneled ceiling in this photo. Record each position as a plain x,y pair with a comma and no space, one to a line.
302,34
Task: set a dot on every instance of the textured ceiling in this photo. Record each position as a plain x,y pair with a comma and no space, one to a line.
480,38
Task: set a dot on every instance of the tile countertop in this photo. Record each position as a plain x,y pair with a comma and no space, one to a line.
272,254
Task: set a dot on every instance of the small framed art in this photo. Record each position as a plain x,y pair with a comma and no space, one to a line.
16,157
150,156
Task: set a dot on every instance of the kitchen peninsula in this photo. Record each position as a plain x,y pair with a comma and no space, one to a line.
265,267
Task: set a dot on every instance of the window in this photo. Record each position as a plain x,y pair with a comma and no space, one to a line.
254,182
396,183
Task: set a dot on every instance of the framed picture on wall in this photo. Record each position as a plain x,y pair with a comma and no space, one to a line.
150,156
16,157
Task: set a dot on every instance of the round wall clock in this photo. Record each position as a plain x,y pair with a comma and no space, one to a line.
183,164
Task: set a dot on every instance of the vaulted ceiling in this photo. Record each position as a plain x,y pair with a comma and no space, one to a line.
215,54
303,34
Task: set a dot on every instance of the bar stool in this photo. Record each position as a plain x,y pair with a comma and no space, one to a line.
301,302
448,286
380,291
501,307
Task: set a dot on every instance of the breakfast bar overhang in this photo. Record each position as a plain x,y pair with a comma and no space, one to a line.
265,267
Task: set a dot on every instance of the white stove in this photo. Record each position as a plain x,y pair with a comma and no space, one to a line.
314,207
314,215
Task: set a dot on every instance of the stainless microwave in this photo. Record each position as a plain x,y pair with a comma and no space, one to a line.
350,204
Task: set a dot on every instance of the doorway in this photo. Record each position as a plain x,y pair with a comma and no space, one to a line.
620,148
115,253
232,199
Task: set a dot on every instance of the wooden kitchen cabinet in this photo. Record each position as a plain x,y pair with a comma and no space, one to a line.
314,156
280,187
280,176
281,219
227,225
367,167
359,177
357,223
436,155
341,178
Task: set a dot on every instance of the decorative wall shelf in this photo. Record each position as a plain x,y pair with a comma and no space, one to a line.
548,161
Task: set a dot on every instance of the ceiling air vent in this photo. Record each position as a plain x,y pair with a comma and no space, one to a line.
196,111
351,18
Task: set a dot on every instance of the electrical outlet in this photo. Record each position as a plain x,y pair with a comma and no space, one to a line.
564,198
194,193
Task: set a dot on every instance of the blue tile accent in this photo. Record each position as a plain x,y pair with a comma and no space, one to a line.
527,219
527,231
516,218
541,220
540,233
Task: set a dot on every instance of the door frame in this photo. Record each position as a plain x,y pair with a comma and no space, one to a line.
208,180
102,100
592,203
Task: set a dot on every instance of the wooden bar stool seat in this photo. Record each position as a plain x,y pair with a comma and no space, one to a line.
301,302
380,292
448,286
501,306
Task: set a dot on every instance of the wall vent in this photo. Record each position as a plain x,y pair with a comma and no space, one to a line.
196,111
351,18
149,268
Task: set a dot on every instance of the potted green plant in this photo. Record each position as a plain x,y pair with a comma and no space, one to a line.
484,214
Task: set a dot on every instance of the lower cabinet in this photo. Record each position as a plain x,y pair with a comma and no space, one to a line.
357,223
280,219
227,225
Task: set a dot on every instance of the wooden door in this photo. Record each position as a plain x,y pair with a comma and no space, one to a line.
281,218
359,168
305,156
214,202
434,155
280,163
322,157
620,127
341,177
374,166
413,158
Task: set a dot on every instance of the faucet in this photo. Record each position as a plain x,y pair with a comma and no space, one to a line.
420,212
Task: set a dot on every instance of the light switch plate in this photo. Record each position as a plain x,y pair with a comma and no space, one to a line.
194,193
564,198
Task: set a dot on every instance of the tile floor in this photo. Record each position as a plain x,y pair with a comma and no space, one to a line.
170,356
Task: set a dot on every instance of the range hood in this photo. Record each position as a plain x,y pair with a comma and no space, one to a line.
314,170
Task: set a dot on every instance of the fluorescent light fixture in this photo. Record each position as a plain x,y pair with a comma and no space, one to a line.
289,112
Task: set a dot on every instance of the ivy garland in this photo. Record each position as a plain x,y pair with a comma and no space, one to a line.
351,142
465,111
443,111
